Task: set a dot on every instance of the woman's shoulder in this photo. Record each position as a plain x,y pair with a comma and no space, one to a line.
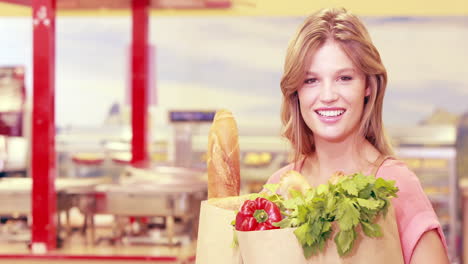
397,170
405,179
411,196
275,177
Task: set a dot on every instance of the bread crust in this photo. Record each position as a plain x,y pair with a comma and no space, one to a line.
223,156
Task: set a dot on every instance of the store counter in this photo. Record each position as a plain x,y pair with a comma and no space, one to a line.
15,194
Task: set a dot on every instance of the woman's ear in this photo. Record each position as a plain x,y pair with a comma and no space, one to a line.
368,90
367,93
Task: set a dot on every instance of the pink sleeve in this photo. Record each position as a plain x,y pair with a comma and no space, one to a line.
414,212
275,178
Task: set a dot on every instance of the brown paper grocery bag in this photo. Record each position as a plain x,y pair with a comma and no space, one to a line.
281,246
215,236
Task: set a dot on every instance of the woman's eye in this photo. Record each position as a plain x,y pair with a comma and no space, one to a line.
310,80
346,78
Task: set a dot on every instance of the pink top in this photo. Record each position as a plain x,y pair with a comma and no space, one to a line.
413,210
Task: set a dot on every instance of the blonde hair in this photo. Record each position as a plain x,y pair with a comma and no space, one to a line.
350,33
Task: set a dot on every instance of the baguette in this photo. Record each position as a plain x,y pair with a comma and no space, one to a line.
223,157
233,203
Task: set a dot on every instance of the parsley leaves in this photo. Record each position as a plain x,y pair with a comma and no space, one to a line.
352,201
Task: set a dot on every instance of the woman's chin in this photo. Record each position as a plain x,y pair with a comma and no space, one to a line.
331,136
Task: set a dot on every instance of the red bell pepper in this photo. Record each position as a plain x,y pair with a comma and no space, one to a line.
259,214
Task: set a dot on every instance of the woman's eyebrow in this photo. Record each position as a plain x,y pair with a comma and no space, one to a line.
339,71
346,70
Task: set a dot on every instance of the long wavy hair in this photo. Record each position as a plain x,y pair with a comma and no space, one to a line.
346,29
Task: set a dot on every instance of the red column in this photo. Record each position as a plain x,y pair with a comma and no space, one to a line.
140,17
43,127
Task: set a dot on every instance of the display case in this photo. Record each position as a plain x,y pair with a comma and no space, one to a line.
13,147
12,96
429,151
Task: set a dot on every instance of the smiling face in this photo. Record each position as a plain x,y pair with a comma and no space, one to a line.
332,95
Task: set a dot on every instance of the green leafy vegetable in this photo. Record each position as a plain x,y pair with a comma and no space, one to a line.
371,229
347,214
344,240
350,187
352,201
271,187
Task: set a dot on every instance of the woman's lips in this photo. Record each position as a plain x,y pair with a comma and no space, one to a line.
330,115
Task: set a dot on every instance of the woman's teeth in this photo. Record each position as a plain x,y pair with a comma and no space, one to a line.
330,113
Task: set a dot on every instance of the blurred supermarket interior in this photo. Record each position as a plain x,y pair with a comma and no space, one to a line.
83,58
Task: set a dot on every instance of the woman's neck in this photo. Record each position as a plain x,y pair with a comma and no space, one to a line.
351,155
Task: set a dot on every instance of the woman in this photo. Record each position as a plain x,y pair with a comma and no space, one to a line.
333,88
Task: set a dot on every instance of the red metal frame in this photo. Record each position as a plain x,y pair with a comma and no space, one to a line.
139,258
43,127
140,24
123,4
218,4
18,2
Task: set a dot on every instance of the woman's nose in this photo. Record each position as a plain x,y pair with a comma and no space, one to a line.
328,93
